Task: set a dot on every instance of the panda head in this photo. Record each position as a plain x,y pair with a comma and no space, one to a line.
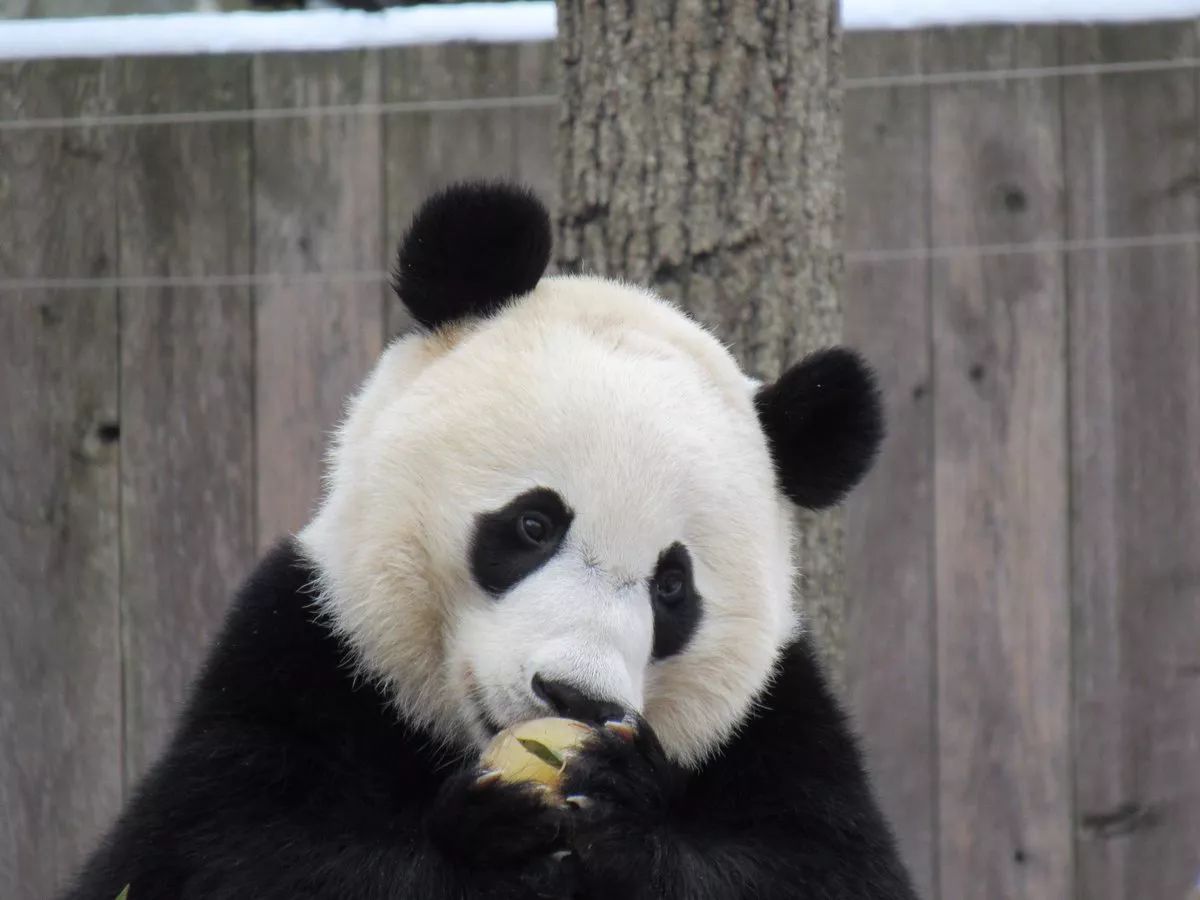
562,495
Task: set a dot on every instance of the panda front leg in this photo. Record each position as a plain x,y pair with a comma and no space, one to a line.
504,837
619,793
641,828
615,835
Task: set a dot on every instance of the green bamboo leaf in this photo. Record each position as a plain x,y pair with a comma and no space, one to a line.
542,752
124,895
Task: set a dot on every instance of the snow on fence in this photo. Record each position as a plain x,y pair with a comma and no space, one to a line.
192,263
516,20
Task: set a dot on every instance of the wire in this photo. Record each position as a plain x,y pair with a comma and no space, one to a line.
1072,245
934,79
205,117
378,276
916,79
134,282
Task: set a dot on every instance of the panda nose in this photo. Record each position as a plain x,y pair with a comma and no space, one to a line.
572,703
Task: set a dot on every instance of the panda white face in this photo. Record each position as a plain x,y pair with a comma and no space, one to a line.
566,498
569,507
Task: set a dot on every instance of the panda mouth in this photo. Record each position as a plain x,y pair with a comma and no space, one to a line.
475,697
489,725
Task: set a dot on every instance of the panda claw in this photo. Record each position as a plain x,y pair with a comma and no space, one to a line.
623,730
578,801
487,779
560,855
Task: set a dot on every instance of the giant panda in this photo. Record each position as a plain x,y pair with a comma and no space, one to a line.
559,496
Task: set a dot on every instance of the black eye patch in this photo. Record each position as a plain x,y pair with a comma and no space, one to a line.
677,605
518,538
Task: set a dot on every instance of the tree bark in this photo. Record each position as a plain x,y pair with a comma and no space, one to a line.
699,151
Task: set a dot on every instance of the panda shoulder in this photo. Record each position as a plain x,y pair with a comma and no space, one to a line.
274,656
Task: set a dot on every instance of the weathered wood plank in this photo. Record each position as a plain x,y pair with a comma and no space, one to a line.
318,207
428,150
536,126
187,488
1132,159
890,650
60,659
1003,677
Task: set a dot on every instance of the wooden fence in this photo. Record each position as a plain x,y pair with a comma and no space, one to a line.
189,290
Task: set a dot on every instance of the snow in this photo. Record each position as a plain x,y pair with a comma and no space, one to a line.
184,34
533,20
896,14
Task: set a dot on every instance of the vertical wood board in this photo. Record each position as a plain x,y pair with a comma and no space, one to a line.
890,644
187,474
1132,162
535,126
60,662
429,150
1003,672
318,209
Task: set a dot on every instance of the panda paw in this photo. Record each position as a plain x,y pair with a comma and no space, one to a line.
484,823
622,767
618,792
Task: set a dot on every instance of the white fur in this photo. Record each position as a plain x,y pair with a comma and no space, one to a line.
646,427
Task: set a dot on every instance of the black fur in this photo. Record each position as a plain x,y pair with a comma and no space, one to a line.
824,422
469,250
675,618
289,779
500,556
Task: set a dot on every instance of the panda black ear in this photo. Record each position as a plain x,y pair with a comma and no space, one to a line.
469,250
824,423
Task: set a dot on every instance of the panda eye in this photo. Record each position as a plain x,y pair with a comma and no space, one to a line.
678,606
511,542
670,586
533,528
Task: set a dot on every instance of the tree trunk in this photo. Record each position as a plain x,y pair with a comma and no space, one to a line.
699,152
